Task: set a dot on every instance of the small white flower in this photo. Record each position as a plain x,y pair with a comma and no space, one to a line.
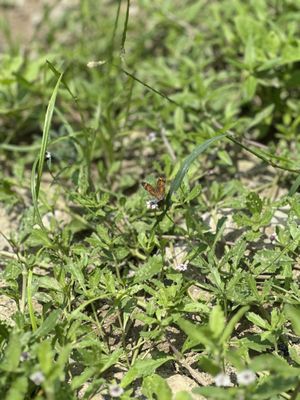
181,267
94,64
37,378
152,204
152,136
246,377
222,380
48,156
115,390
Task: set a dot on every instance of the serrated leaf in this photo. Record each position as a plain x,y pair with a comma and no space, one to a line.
48,282
197,334
39,237
151,268
77,275
216,321
49,324
257,320
293,315
155,384
12,354
103,234
110,360
195,192
195,307
143,368
45,356
18,389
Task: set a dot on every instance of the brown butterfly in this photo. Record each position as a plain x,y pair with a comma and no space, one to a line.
159,191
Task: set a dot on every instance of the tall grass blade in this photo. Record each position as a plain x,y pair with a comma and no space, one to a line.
38,165
189,160
125,28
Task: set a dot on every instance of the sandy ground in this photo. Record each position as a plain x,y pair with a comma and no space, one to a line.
19,16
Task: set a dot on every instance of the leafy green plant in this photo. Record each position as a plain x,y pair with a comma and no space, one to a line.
104,296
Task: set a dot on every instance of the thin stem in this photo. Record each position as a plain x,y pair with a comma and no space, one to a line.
123,338
29,300
24,288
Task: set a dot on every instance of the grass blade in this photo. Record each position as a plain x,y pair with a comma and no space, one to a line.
39,163
189,160
125,28
46,133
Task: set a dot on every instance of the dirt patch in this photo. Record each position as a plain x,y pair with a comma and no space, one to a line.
20,19
8,308
8,224
180,383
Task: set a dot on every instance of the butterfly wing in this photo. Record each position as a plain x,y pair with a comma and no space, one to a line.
160,188
150,189
159,191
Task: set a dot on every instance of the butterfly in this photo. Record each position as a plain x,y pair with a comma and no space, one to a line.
159,191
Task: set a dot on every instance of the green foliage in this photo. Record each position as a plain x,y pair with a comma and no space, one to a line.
156,385
145,368
99,291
